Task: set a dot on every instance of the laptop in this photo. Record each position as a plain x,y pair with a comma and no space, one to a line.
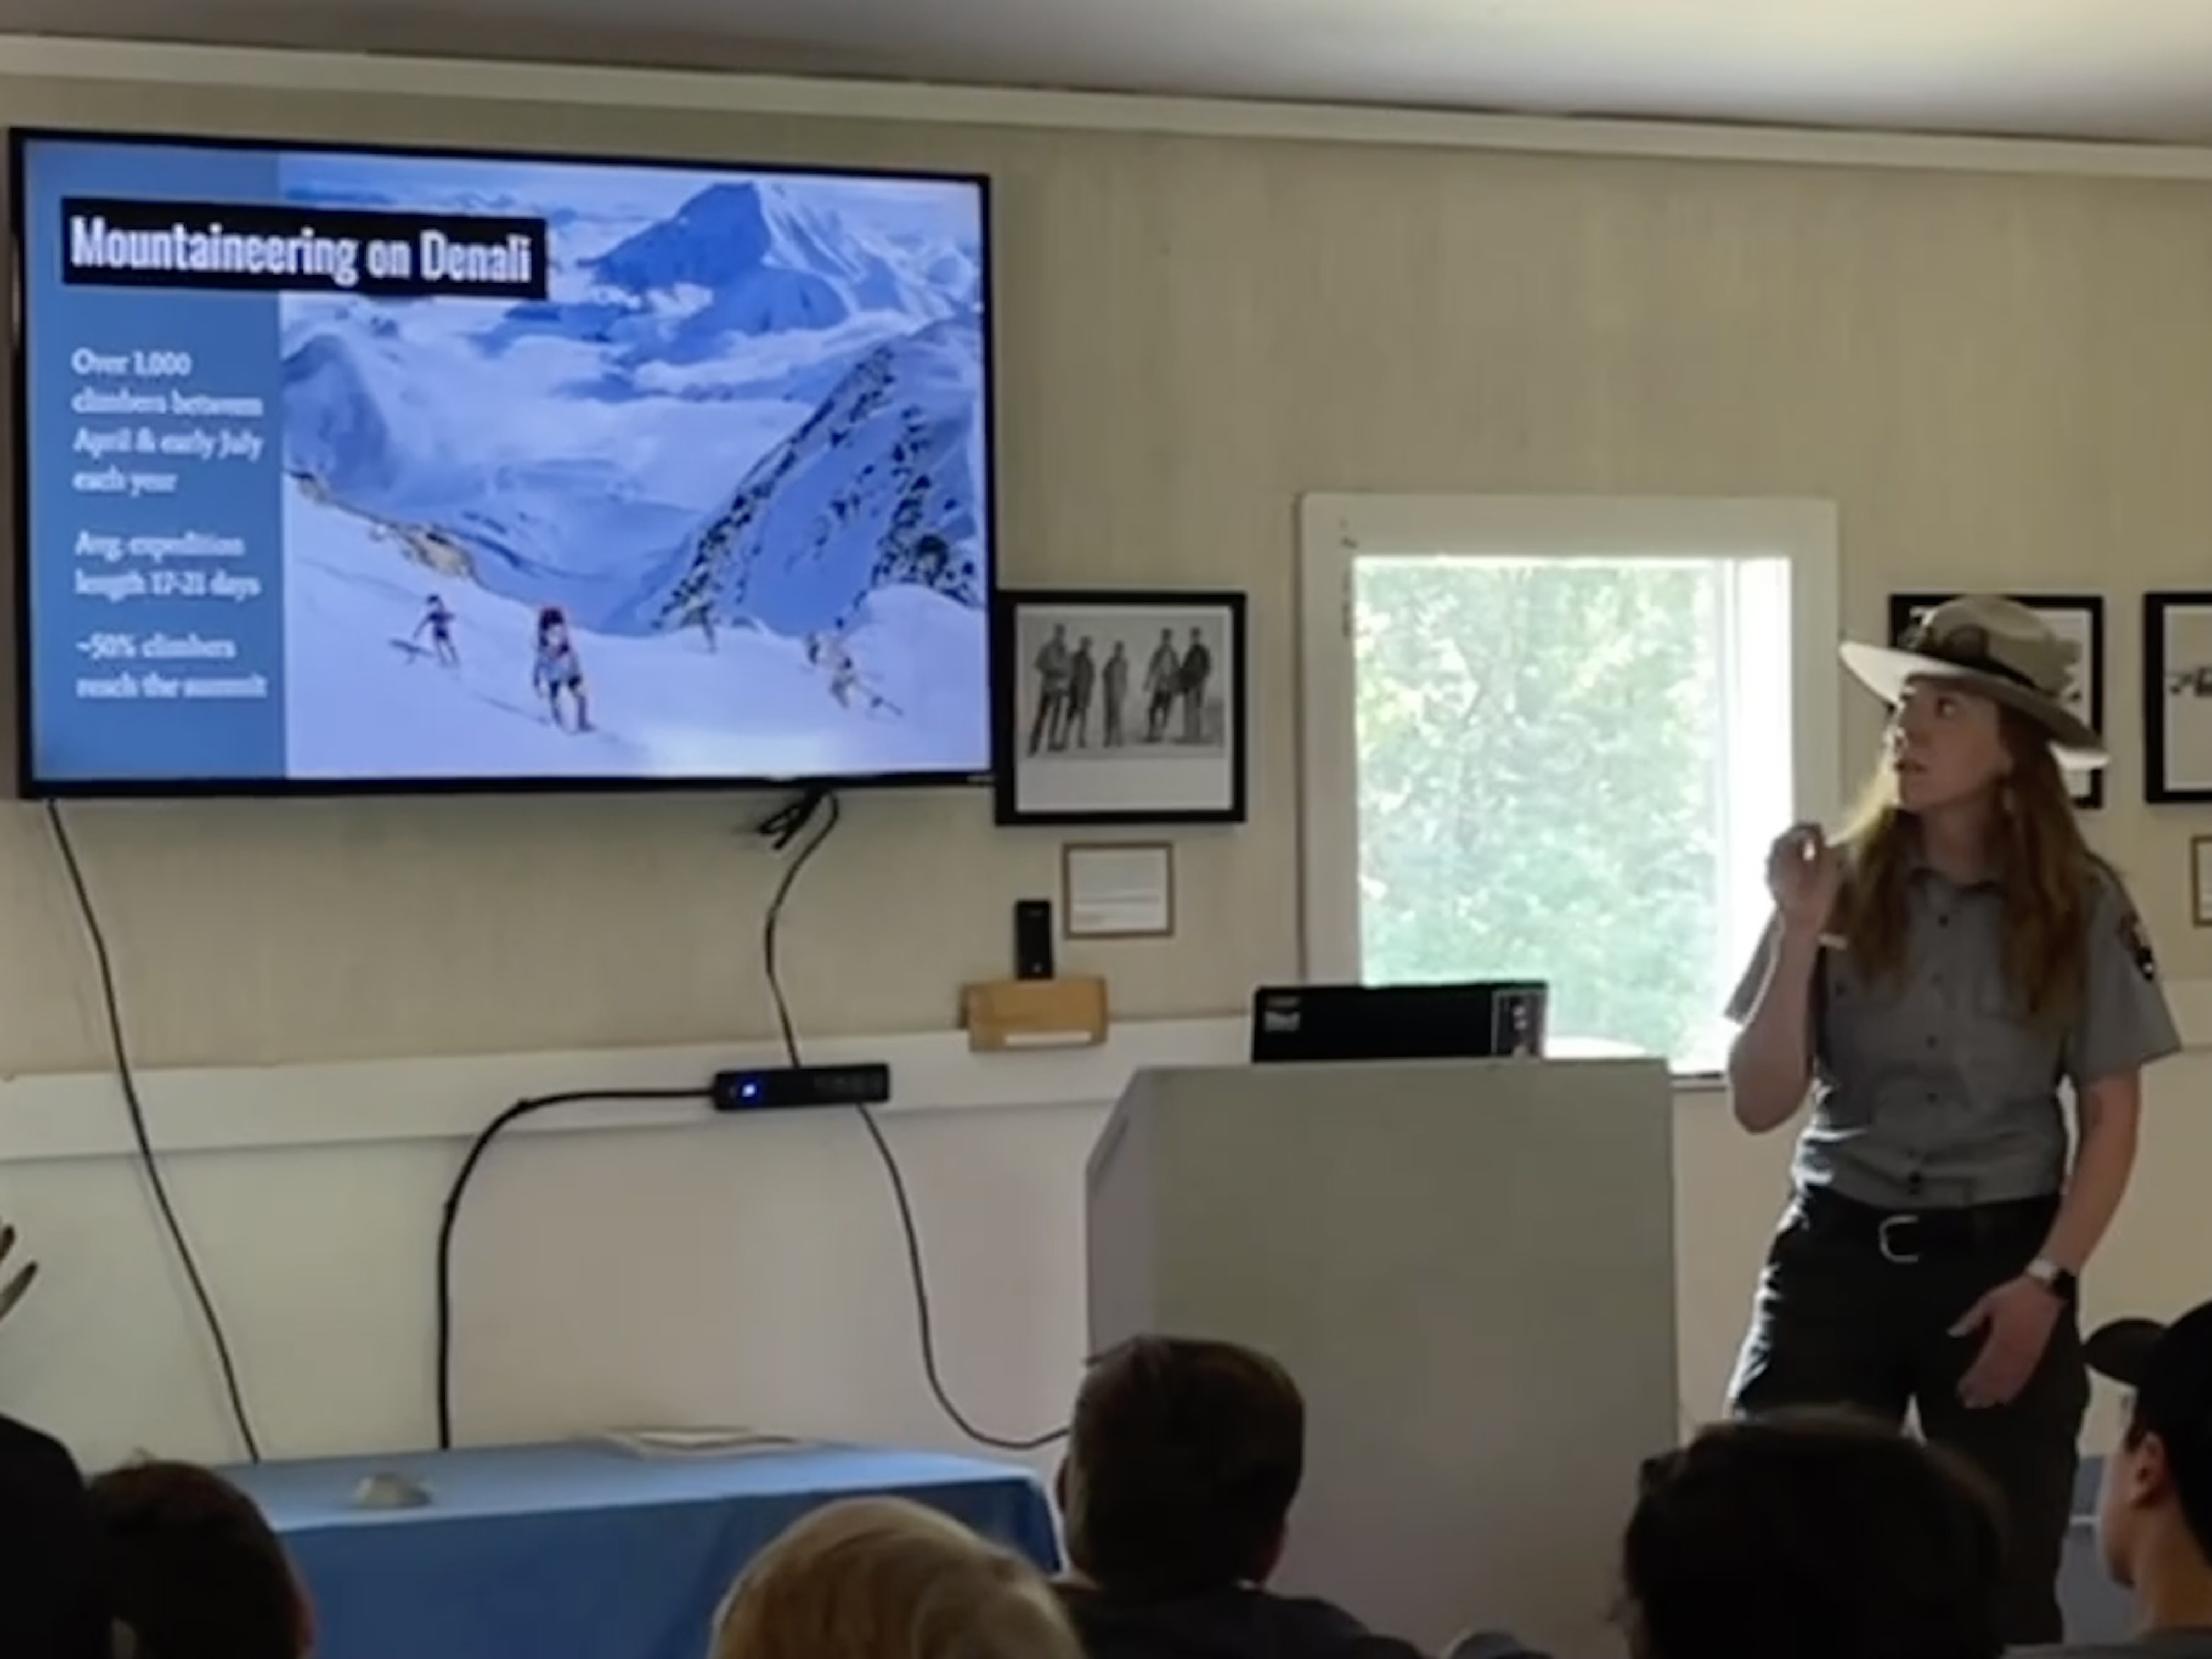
1486,1019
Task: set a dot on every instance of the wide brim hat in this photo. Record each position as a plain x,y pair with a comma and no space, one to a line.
1997,648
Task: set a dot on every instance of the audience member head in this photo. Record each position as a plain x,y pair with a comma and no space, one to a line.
50,1558
2154,1514
1816,1535
1182,1461
882,1579
197,1572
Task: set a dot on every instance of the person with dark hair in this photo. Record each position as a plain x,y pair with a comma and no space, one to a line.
197,1572
1162,685
1055,669
1082,687
1196,669
1114,684
2154,1510
1183,1458
1813,1535
438,621
557,670
53,1602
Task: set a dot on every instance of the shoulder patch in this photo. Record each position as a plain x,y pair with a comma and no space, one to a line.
2137,943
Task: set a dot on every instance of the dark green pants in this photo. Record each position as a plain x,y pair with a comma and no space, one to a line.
1848,1317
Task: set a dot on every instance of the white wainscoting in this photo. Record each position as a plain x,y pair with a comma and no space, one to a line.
224,1108
660,1263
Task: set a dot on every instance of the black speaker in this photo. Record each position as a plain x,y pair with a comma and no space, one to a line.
1032,938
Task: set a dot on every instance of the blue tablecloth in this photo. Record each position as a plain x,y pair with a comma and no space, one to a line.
575,1552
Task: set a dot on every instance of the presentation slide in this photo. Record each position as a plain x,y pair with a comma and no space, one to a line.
387,467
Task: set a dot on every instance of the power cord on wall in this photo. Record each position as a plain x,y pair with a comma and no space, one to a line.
782,828
450,1216
126,1079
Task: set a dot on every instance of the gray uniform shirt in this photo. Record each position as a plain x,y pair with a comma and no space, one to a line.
1932,1089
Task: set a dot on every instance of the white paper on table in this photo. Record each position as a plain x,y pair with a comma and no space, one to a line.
699,1443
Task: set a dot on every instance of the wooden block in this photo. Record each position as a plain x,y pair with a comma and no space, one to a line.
1034,1013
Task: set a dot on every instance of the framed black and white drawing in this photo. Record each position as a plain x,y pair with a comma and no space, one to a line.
1119,706
2177,696
2076,617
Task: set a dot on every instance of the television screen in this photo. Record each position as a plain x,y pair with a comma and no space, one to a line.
353,468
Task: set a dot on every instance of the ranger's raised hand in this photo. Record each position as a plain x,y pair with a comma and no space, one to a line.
13,1283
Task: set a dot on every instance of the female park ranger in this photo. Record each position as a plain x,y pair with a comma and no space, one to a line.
1933,978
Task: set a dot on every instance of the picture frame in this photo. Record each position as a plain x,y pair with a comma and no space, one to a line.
1143,743
2177,693
2076,617
1117,889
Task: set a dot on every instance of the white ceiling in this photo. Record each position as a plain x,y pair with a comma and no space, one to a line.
2113,69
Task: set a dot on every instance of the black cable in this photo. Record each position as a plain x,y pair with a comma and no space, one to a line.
451,1217
923,1320
783,828
126,1079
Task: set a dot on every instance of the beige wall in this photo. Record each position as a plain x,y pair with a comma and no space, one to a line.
2000,379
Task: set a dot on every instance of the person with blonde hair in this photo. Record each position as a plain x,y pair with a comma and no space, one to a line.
1933,980
884,1578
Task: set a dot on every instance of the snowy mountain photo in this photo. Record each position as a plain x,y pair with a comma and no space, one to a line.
739,455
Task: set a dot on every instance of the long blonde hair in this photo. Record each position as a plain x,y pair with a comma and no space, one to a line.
882,1578
2046,870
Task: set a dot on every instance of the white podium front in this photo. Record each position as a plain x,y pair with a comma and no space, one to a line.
1470,1268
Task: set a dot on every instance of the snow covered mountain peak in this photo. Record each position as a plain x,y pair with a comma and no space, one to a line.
723,232
769,406
771,258
881,487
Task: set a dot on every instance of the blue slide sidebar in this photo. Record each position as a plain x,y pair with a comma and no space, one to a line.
154,449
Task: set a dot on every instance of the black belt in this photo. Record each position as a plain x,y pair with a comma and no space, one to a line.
1904,1236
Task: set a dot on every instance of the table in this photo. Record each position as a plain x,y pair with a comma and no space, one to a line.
583,1551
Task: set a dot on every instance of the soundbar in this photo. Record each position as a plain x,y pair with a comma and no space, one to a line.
779,1088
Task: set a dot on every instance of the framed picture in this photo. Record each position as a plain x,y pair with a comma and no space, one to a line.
2076,617
2200,880
2177,696
1124,890
1119,706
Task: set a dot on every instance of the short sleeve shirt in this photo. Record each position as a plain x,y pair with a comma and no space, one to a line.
1931,1088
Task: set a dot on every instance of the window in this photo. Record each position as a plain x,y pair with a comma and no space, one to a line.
1552,738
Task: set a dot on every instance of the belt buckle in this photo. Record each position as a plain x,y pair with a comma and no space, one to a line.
1885,1238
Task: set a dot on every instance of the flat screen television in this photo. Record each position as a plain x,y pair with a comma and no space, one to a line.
380,469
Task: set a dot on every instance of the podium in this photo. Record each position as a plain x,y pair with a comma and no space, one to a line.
1468,1266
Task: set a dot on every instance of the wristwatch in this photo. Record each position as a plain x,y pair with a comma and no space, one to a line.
2053,1278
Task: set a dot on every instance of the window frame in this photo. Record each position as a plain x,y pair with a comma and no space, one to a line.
1336,531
